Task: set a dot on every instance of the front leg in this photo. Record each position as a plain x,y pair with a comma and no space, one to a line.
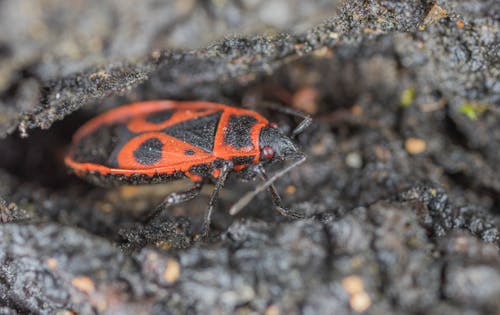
278,204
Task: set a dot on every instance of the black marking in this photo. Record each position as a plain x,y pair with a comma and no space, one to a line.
102,145
203,170
189,152
122,137
110,180
160,117
198,131
243,160
149,152
219,163
238,131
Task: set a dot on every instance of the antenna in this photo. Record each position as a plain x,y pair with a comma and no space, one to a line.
306,119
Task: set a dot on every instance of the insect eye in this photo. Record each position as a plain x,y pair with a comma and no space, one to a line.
273,124
267,152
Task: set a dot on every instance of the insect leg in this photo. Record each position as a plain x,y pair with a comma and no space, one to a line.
299,159
226,168
176,198
278,204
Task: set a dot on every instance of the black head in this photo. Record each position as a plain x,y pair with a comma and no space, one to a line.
275,145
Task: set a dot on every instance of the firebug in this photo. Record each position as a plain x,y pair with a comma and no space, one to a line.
158,141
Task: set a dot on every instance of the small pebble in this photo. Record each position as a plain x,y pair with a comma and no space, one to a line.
172,271
290,189
359,300
353,160
84,284
415,145
52,263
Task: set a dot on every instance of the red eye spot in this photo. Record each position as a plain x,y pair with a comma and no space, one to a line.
267,152
273,124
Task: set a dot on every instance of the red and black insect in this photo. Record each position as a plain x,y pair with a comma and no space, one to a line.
158,141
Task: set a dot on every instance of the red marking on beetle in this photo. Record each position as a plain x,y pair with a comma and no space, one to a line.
216,173
141,142
173,159
239,168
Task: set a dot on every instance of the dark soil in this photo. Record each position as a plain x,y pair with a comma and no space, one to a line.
400,190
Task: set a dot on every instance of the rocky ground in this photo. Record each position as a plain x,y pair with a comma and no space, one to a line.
400,191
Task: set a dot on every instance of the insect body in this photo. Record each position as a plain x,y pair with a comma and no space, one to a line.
158,141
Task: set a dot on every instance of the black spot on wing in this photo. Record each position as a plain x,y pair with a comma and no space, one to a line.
160,117
122,135
189,152
199,132
238,131
102,145
149,152
243,160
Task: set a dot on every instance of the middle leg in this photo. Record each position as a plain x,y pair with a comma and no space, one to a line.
225,170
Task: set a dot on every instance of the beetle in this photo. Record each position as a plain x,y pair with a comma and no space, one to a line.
158,141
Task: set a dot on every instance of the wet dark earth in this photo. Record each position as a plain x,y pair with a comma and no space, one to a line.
400,190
